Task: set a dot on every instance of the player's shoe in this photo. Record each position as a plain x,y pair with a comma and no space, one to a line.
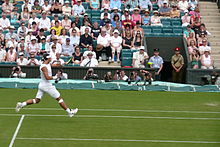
73,112
18,106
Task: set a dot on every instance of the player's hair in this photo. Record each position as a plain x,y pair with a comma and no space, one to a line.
45,56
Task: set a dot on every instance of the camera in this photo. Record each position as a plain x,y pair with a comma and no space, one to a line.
57,80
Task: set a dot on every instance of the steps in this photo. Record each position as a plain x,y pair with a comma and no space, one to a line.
210,16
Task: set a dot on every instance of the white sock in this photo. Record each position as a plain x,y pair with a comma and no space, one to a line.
23,104
68,110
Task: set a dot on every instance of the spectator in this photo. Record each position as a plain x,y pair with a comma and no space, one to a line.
147,76
11,34
193,4
77,57
131,4
13,42
105,12
108,28
33,61
185,19
22,30
190,38
108,77
115,12
192,46
139,58
195,14
204,47
4,22
105,4
138,40
195,57
33,47
86,19
11,55
165,10
89,50
46,7
56,18
118,27
129,22
134,77
136,16
40,35
56,8
183,5
104,20
58,46
62,76
120,75
207,61
34,28
22,60
28,36
187,32
155,19
95,30
17,73
74,38
202,29
7,7
78,9
25,14
66,9
116,45
86,39
90,61
58,61
146,18
51,36
202,37
94,4
145,4
33,19
177,62
44,22
36,8
138,28
57,28
66,22
67,48
174,13
63,36
85,26
27,5
73,26
15,16
156,62
115,4
115,20
90,75
2,54
44,46
127,40
77,21
126,13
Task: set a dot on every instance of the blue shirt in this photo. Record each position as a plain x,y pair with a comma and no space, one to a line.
115,3
145,3
157,61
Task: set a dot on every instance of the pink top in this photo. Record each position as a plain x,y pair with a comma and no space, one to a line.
136,18
11,56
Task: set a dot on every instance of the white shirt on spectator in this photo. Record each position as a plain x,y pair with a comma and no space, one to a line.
33,47
44,23
116,42
32,64
23,62
32,20
139,58
74,40
58,48
78,9
89,62
58,61
4,23
183,5
2,55
82,30
86,53
46,8
104,40
203,48
29,6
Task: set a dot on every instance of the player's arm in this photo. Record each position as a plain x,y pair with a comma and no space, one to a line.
45,72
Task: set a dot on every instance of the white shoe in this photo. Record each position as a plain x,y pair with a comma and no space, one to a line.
100,59
113,60
73,112
118,60
109,60
18,106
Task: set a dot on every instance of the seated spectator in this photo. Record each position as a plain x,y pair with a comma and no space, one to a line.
105,4
90,75
58,61
127,40
55,43
147,77
85,26
185,19
44,46
146,18
51,36
104,20
40,35
17,73
195,57
192,46
46,6
28,36
2,36
12,41
63,36
187,32
202,29
125,14
138,28
156,62
34,28
33,61
44,22
95,30
115,4
77,57
202,37
190,38
155,19
22,30
11,34
66,9
139,58
77,21
131,4
11,55
15,16
193,4
174,13
160,3
67,48
74,38
145,4
2,54
4,22
165,10
56,8
7,7
89,50
23,43
108,28
105,10
204,47
27,5
116,45
25,14
66,22
94,4
183,5
138,40
56,18
135,17
115,20
115,12
22,60
127,22
86,19
90,61
120,75
134,77
86,39
36,8
62,76
108,77
195,14
33,47
78,9
118,27
57,28
33,19
74,27
207,61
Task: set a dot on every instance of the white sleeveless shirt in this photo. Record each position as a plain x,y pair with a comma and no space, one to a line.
207,60
44,81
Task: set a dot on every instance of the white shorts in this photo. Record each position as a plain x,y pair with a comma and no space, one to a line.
49,89
116,49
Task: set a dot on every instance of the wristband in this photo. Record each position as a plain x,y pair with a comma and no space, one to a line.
54,77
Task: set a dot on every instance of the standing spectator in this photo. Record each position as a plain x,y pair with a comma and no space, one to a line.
67,48
207,61
156,62
7,7
33,61
136,17
115,4
66,9
56,8
177,62
155,19
22,60
146,18
2,54
44,22
11,55
116,45
183,5
90,61
22,30
174,13
36,8
94,4
139,58
194,57
4,22
58,61
74,38
128,41
78,9
66,22
25,14
95,30
165,10
145,4
86,39
105,4
89,50
57,28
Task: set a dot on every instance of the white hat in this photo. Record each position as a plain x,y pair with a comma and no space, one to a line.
116,31
141,48
165,2
115,8
30,30
105,8
1,28
33,38
186,11
11,27
21,54
66,2
11,45
136,8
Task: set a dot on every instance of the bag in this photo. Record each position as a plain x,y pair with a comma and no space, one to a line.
99,47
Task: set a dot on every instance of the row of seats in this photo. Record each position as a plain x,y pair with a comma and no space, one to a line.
126,57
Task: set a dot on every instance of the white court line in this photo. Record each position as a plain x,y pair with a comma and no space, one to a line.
16,131
116,110
109,116
121,140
